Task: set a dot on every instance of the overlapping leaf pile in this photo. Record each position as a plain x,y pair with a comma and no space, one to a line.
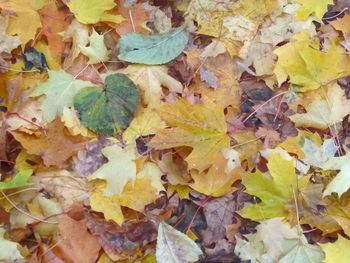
174,131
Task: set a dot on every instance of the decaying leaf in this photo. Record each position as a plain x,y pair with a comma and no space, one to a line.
55,146
174,246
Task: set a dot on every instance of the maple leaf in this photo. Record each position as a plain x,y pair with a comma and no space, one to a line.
59,90
96,51
107,205
79,34
217,181
93,11
323,113
136,194
55,147
118,171
174,246
144,190
310,7
54,21
147,123
309,67
274,192
25,10
201,127
337,251
151,79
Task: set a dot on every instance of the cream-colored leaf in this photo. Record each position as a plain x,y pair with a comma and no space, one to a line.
118,171
151,79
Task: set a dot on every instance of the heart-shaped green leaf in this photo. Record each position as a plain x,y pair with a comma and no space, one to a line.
108,110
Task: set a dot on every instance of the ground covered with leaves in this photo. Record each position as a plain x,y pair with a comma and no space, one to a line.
174,131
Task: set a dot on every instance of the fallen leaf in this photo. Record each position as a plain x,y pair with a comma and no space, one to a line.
19,180
151,79
54,20
119,170
274,192
174,246
154,49
323,113
147,123
310,7
8,249
337,251
24,11
80,247
308,67
59,90
108,110
7,43
98,13
55,147
96,51
217,181
201,127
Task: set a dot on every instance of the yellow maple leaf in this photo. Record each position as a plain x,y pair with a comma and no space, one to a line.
216,182
136,195
106,204
25,10
274,191
200,126
310,7
118,171
337,252
309,67
325,112
151,79
144,190
147,123
94,11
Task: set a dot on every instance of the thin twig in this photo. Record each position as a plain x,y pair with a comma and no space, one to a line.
24,212
262,105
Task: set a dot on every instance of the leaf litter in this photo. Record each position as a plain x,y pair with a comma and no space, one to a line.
174,131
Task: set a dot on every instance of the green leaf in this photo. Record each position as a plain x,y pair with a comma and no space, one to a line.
154,49
298,250
108,110
274,191
59,89
175,247
19,180
337,252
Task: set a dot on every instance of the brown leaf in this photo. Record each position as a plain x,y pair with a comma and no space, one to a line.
76,245
55,147
124,242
